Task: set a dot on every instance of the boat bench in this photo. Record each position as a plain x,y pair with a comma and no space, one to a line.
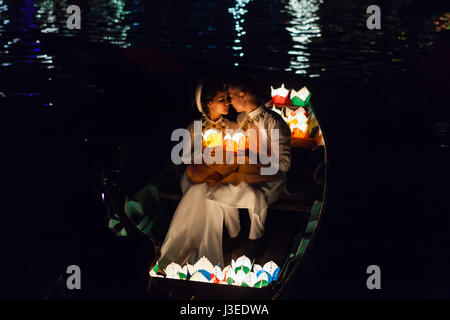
285,205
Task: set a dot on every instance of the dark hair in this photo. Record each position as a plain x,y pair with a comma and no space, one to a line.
246,83
209,91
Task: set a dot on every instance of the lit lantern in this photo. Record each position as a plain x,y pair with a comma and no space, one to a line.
154,272
300,98
190,269
262,279
230,275
238,273
235,142
203,264
212,138
272,269
280,95
200,277
217,275
172,271
297,121
256,268
183,274
227,273
242,263
239,277
249,279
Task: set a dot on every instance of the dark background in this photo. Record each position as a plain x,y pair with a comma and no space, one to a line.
73,100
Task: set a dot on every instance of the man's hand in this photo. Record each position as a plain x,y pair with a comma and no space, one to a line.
214,178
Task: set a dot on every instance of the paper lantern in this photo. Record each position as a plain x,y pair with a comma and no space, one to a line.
154,272
217,275
280,95
235,142
242,263
200,277
249,279
203,264
297,121
256,268
212,138
239,273
262,279
300,98
239,277
190,269
172,271
272,269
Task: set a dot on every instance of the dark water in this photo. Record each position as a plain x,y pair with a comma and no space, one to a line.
314,38
56,116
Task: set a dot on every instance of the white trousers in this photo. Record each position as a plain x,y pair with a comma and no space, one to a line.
238,196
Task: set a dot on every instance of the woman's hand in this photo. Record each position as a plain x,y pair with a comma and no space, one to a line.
214,178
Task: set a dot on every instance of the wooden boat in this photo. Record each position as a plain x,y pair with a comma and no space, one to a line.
291,226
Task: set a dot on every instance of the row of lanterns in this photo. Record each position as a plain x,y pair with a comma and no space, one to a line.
298,98
296,119
241,272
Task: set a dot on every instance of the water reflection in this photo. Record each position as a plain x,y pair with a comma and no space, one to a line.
238,12
308,37
302,27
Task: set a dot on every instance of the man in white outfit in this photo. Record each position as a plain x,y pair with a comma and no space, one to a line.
254,115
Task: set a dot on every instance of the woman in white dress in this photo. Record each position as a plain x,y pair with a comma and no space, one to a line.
196,227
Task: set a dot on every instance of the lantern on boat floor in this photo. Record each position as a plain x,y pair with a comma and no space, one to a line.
280,95
297,121
300,98
240,273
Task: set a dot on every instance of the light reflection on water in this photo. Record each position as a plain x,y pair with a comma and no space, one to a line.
315,38
302,27
238,12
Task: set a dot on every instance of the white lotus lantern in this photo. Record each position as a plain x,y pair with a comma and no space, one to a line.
172,271
200,277
203,264
230,275
262,279
272,269
280,95
153,272
239,273
239,277
249,279
190,269
217,275
242,263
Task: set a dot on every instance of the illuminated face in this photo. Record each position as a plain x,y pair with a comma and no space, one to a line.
220,104
237,98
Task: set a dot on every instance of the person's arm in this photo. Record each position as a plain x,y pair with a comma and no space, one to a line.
284,143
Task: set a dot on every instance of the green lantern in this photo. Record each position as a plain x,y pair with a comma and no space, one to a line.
300,98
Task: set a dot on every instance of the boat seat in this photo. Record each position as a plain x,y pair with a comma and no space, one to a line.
286,205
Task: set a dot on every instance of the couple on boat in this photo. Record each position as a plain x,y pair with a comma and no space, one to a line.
213,193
